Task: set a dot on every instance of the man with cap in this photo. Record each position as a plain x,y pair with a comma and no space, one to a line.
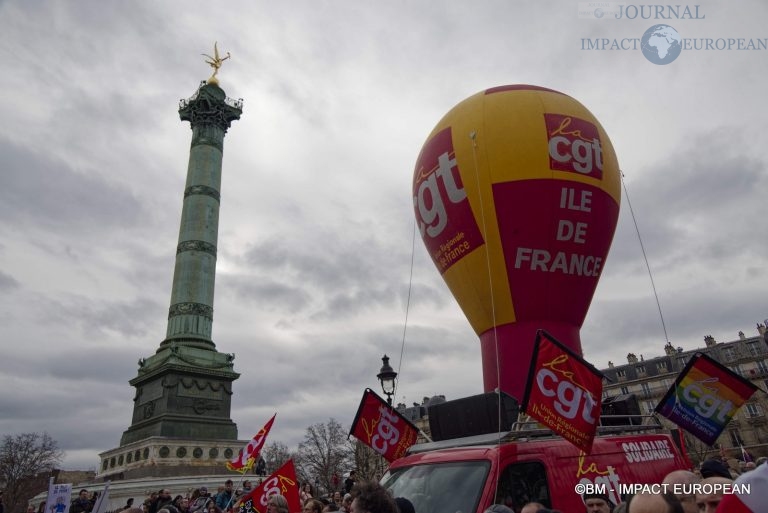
715,468
597,503
199,504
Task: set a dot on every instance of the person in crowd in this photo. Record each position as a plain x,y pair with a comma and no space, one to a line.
349,482
686,496
330,507
759,461
200,500
277,504
715,468
598,503
41,508
654,503
177,502
306,492
532,507
708,502
30,508
81,504
371,497
163,500
128,504
749,465
247,487
261,467
404,505
225,498
313,506
346,503
183,505
337,499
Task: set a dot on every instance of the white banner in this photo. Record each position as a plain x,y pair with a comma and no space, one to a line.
59,497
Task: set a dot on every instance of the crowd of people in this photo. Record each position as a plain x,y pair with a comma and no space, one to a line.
706,490
677,493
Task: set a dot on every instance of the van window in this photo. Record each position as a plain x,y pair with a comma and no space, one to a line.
440,487
521,483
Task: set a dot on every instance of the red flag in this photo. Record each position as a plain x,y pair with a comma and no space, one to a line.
382,428
564,392
282,482
246,458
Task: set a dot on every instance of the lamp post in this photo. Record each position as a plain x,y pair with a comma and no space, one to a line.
387,377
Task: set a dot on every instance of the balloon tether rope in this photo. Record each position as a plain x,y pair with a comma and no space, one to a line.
407,307
473,136
645,257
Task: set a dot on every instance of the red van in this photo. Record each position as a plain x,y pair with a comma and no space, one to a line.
467,475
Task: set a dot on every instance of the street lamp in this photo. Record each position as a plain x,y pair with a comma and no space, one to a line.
387,376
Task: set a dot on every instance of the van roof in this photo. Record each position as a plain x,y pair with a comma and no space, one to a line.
530,430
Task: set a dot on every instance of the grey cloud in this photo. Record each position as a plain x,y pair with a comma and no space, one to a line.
7,282
44,192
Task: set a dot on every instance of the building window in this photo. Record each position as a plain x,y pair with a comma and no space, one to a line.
662,366
624,390
737,369
762,367
621,374
646,390
729,354
682,361
640,369
736,440
754,410
650,406
756,348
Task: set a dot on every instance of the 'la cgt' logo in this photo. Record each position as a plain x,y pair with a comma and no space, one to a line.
555,382
574,145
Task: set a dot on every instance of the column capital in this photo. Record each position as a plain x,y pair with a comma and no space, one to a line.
210,106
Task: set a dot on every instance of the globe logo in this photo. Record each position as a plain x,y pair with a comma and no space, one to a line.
599,13
661,44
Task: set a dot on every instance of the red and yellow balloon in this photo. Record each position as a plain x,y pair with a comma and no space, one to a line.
516,194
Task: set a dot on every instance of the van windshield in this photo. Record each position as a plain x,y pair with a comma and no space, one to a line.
439,487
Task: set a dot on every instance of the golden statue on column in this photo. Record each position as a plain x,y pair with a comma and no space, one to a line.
215,63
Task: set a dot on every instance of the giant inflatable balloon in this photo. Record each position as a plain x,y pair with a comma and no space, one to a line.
516,194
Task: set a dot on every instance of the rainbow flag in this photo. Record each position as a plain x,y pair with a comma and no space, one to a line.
705,397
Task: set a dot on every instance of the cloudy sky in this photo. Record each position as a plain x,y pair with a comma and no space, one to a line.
316,227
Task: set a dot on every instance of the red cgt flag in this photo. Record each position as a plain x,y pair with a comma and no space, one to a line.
382,428
247,456
564,392
282,482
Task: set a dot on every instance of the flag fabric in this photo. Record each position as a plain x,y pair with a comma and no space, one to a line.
564,392
747,493
282,482
59,497
247,456
705,397
100,506
382,428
